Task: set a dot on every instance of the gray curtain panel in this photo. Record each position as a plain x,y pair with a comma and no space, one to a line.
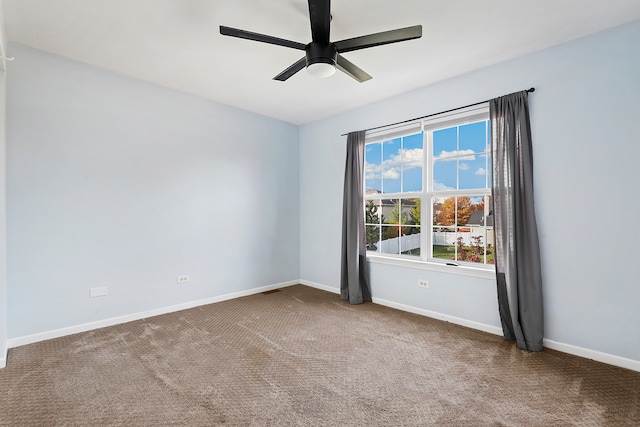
517,251
354,278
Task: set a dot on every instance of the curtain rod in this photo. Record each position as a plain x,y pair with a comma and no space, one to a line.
533,89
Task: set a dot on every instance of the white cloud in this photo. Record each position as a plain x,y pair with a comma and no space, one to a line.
391,173
464,166
460,154
371,174
412,156
481,171
410,159
438,186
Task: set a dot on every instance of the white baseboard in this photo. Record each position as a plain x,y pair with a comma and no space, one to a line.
319,286
56,333
3,357
440,316
428,313
586,353
598,356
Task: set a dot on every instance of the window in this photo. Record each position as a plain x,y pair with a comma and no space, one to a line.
428,191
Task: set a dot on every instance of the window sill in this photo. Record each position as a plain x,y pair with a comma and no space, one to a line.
462,270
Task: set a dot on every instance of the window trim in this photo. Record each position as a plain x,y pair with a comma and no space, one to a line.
441,267
458,118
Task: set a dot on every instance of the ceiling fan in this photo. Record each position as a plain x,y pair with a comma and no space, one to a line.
322,57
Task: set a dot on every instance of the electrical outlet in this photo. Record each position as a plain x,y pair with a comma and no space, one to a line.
184,278
423,283
97,292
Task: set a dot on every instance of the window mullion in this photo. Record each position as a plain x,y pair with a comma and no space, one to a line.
402,158
426,211
487,152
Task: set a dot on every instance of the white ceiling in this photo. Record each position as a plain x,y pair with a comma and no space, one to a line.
177,44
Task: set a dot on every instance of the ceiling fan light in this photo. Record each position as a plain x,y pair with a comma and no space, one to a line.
321,69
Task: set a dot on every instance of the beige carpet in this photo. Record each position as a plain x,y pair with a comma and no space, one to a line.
301,356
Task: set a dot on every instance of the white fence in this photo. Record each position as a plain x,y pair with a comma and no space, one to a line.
448,238
397,245
401,244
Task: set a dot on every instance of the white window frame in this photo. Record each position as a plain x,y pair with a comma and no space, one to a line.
428,126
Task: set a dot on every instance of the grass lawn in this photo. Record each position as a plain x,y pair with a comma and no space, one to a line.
448,252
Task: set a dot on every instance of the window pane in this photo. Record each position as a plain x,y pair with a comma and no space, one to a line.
390,209
412,161
462,244
464,209
373,237
444,211
391,165
444,175
372,224
471,247
372,212
463,229
412,209
410,240
391,150
373,179
373,154
399,229
401,211
373,167
443,250
473,173
390,243
412,142
412,178
457,210
472,137
445,143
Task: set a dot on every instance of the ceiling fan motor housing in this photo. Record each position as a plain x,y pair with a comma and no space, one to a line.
322,57
321,53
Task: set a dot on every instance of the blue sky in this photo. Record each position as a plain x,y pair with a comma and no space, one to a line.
459,156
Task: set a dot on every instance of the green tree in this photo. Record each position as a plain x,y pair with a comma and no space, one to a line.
371,230
414,213
406,219
396,216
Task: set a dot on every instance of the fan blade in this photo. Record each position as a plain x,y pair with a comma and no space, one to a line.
291,70
379,39
352,70
320,16
242,34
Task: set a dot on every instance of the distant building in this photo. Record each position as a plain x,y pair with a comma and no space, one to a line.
385,206
477,221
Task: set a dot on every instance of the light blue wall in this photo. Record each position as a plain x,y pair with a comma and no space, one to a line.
3,210
3,218
119,183
586,128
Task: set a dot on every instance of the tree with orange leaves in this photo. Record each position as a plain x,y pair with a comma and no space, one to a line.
445,212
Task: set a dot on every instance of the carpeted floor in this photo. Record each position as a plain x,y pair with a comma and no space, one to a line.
301,356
